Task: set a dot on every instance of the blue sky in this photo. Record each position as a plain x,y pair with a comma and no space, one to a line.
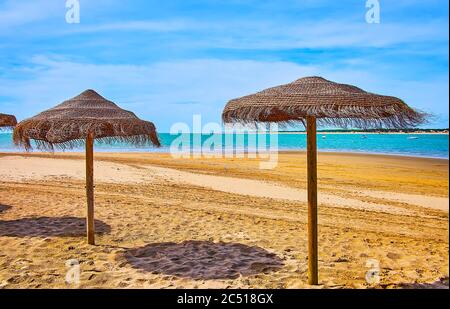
168,60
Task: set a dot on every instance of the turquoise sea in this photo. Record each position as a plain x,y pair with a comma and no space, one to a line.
422,145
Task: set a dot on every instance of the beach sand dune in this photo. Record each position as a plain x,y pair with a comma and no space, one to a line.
219,223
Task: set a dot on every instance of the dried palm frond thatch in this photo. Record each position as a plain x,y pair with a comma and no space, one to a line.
331,103
315,99
81,120
7,121
68,124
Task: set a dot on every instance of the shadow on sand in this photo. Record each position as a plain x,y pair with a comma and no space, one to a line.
203,259
442,283
4,208
50,226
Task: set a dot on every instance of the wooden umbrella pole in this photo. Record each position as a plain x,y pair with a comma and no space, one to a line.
90,188
312,200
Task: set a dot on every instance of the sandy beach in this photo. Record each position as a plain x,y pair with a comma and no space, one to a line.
216,223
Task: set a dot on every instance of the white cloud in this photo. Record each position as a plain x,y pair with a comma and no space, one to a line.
154,90
241,34
138,25
161,92
256,33
17,13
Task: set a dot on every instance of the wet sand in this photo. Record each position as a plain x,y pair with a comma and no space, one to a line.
173,223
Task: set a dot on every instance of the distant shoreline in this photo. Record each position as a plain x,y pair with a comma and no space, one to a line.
362,132
4,152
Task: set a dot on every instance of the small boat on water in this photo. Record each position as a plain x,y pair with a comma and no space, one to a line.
412,137
324,136
364,136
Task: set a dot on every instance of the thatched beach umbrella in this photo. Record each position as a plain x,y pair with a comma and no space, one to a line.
330,103
7,121
79,121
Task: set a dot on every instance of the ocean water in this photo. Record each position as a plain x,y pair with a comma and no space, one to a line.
421,145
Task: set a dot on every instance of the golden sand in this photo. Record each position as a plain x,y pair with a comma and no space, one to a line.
165,222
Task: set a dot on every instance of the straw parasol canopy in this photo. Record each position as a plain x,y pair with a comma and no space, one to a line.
315,99
81,120
7,121
68,124
331,103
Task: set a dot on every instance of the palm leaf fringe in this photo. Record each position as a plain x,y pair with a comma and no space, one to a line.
68,134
